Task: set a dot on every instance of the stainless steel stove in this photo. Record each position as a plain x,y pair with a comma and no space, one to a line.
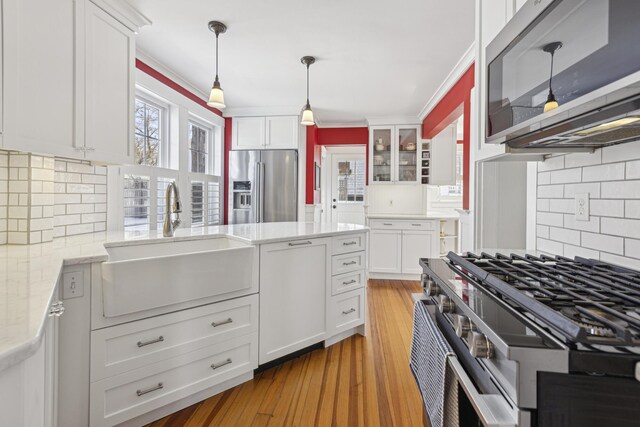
540,340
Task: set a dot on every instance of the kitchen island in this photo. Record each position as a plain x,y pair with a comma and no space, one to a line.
307,279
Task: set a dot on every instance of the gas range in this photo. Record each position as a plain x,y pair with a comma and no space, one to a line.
539,332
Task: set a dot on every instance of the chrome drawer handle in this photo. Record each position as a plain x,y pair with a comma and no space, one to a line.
349,282
160,386
417,225
386,223
224,322
349,263
351,310
143,343
300,244
220,365
349,243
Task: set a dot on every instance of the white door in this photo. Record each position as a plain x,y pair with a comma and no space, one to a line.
348,181
385,247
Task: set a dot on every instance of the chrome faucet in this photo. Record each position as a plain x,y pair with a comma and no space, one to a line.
170,226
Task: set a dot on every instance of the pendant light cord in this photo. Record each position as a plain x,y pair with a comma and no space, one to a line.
217,56
307,84
551,74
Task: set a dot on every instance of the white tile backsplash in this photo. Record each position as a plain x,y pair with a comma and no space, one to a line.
611,177
42,198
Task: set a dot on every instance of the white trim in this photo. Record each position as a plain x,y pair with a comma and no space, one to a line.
168,73
458,71
362,124
128,16
532,205
393,120
262,111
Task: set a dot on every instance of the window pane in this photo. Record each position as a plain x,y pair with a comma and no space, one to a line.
197,203
198,147
140,150
136,203
351,181
153,152
148,124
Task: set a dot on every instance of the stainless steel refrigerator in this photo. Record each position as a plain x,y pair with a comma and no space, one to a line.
263,186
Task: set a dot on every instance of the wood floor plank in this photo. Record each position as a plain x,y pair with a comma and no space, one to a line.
359,382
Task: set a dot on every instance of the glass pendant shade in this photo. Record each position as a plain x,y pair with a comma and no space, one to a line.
551,103
216,98
307,116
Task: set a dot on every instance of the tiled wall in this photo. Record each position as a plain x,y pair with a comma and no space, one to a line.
611,176
42,198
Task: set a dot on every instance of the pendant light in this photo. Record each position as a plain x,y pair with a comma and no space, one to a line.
216,98
551,103
307,112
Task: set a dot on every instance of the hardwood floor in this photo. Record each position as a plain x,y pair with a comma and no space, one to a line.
361,381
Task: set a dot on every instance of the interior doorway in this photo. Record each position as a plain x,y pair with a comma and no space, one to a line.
345,184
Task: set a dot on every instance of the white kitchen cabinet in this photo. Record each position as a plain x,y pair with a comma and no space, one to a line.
38,72
443,149
415,245
394,154
28,390
257,133
109,87
385,251
294,277
281,132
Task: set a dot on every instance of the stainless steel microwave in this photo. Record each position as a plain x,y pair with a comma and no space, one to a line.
565,75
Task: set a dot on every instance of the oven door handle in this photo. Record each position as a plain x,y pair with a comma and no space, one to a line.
493,409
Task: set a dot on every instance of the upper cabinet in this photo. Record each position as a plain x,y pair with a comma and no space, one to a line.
67,70
272,132
394,154
109,88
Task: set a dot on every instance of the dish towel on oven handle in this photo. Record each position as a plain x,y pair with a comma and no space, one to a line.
429,353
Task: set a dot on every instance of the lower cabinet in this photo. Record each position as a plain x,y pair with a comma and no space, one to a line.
347,311
395,247
293,282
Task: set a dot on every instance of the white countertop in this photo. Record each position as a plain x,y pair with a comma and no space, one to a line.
428,215
29,273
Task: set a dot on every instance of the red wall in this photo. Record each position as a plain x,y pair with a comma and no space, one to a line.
456,102
316,138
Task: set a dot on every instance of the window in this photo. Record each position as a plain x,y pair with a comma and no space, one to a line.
199,141
213,203
150,132
136,203
197,203
351,180
455,190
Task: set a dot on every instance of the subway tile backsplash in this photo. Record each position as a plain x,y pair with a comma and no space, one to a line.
42,198
611,177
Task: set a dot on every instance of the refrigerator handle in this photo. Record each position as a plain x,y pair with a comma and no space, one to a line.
262,186
258,190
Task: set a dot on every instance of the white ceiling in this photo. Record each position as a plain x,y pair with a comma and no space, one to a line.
375,58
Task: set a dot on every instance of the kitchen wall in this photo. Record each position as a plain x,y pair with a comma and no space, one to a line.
611,176
42,198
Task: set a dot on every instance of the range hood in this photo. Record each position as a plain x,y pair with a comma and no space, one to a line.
564,76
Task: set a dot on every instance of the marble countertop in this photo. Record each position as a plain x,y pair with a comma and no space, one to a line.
29,273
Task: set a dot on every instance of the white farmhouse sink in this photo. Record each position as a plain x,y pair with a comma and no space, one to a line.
147,276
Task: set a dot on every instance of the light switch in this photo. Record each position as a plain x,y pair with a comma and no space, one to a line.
582,207
72,284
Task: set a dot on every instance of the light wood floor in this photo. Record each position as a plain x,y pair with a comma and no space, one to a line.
361,381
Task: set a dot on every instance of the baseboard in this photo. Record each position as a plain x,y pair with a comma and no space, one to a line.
187,401
393,276
360,330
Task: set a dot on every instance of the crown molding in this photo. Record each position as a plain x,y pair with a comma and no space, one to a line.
125,13
467,59
362,124
261,111
392,120
169,73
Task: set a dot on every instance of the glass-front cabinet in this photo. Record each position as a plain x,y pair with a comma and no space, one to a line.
393,154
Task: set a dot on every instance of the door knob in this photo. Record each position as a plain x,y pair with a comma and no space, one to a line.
334,200
334,206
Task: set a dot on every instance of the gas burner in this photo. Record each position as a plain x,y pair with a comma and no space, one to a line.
591,324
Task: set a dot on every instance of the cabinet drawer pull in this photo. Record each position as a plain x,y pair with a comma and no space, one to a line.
160,386
221,364
417,225
143,343
349,243
386,223
224,322
349,282
350,263
300,244
351,310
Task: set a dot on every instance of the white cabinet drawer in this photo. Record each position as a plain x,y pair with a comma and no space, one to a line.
347,311
128,395
347,262
347,282
346,244
385,224
132,345
422,225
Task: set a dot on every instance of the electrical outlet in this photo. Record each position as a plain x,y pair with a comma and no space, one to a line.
582,207
72,284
